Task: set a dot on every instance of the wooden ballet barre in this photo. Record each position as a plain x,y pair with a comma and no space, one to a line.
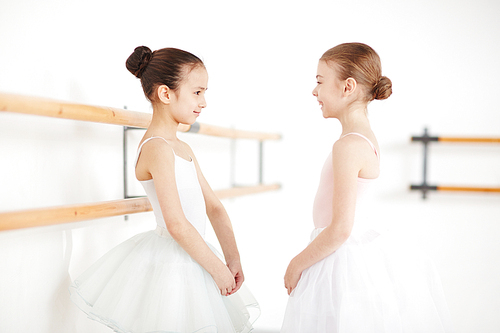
107,115
425,139
57,109
71,213
426,187
82,212
213,130
128,119
467,189
469,140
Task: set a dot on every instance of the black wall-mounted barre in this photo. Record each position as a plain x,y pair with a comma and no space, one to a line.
424,187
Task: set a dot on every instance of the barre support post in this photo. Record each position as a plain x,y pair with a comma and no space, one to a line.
424,187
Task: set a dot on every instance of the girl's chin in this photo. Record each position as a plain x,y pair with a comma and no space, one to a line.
328,116
190,120
187,122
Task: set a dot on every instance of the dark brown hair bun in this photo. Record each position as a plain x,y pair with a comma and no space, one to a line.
139,60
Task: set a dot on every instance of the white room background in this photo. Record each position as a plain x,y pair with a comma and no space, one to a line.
441,55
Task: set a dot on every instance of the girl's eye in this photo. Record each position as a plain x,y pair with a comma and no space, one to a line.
198,92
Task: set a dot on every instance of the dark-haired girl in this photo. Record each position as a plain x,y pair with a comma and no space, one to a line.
169,279
351,279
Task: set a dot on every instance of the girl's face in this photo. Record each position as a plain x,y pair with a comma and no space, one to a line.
329,90
189,99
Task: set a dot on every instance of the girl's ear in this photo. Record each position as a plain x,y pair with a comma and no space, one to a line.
350,86
164,94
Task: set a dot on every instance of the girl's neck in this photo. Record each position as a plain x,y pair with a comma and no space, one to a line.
355,119
163,124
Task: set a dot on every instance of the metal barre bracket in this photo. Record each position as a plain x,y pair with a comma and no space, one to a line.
125,157
424,187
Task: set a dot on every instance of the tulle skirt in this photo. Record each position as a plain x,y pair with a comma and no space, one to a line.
370,284
150,284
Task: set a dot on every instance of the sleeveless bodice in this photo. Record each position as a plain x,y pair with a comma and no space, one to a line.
189,189
322,208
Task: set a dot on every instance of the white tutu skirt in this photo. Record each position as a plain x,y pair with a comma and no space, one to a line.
369,285
150,284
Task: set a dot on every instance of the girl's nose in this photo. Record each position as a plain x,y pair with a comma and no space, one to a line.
203,104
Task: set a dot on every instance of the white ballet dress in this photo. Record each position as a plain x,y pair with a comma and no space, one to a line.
372,283
149,284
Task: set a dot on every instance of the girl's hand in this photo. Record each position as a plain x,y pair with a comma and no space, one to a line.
225,281
292,277
236,270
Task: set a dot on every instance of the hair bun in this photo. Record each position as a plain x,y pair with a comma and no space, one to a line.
139,60
383,88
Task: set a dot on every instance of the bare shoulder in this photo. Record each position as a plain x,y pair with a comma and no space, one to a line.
187,148
155,155
353,151
346,146
356,144
348,152
157,149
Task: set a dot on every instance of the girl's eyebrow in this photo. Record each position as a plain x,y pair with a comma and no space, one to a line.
318,76
201,88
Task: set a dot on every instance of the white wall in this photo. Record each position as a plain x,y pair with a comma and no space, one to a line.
261,57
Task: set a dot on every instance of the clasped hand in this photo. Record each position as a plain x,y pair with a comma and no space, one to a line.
229,280
292,277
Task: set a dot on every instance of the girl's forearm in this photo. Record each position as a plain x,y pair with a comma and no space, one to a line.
191,241
327,242
224,231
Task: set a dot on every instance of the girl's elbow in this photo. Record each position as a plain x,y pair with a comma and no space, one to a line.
215,209
341,233
174,228
344,235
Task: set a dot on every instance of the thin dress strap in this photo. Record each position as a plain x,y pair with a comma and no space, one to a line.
364,137
142,144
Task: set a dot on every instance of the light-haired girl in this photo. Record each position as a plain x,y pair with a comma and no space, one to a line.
348,280
169,279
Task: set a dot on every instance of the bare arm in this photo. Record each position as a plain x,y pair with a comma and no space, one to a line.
222,226
346,167
159,158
